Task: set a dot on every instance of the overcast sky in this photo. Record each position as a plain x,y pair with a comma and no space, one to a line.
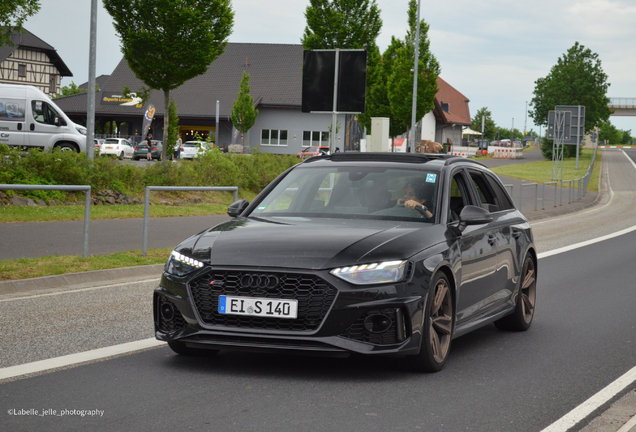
492,51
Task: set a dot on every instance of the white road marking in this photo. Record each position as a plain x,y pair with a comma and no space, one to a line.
73,359
589,406
586,243
579,413
569,420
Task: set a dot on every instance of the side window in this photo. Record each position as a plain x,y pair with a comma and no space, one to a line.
458,197
43,113
505,203
488,199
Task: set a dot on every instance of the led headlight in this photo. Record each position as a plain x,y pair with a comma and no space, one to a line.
376,273
179,264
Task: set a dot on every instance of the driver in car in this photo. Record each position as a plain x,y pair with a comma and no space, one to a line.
415,197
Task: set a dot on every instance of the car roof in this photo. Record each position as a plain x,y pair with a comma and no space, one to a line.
434,161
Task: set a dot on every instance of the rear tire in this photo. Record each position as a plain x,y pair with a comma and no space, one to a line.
521,318
121,156
181,349
437,331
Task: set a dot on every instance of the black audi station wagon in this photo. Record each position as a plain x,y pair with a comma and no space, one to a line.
376,254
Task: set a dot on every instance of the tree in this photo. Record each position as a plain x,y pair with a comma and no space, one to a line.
490,128
243,112
610,133
13,13
348,24
168,42
576,79
344,24
173,128
400,80
71,89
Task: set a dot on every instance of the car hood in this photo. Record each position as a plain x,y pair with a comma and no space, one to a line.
309,243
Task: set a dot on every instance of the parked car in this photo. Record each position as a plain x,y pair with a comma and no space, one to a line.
375,254
98,143
312,151
119,147
192,149
141,150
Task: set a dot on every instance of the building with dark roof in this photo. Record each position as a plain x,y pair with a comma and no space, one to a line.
276,85
31,61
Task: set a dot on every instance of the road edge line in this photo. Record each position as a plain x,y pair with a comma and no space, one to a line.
582,411
73,359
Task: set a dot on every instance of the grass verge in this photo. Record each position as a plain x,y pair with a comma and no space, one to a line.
25,268
76,212
541,171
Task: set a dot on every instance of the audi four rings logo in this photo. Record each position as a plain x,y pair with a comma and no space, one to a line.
261,281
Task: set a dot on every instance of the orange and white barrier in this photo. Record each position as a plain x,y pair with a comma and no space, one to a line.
508,153
463,151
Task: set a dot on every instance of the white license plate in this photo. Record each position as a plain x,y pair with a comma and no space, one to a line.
262,307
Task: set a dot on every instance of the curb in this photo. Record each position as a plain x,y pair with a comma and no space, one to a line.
83,279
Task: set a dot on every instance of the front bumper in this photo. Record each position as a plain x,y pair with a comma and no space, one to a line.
335,319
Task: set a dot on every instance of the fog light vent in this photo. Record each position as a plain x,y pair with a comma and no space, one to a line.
377,323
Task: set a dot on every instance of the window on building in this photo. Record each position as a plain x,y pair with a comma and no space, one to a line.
52,86
273,137
22,70
315,138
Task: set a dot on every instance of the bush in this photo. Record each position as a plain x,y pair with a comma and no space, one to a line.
215,168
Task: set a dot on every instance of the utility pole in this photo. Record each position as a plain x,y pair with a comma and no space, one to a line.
90,112
415,73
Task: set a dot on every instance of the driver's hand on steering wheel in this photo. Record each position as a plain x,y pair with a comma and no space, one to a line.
414,205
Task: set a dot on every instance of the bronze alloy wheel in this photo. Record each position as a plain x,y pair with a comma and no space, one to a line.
528,291
521,318
438,328
441,321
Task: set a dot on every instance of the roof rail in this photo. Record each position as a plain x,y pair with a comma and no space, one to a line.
456,159
353,156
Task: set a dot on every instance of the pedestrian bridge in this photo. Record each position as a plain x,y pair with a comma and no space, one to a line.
623,106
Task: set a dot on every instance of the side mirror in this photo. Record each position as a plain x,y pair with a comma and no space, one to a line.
236,208
473,215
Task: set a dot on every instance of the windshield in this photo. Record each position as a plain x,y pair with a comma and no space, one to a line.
353,192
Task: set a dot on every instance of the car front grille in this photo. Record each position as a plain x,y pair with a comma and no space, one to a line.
314,296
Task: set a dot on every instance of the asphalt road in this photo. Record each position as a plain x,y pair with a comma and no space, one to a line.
581,340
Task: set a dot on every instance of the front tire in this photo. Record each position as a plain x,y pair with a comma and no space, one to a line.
521,318
437,331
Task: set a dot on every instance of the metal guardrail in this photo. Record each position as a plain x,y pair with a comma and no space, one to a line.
87,201
176,188
580,184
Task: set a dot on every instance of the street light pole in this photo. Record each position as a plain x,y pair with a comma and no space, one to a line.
90,113
525,122
415,73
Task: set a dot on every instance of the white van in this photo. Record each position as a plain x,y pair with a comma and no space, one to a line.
29,119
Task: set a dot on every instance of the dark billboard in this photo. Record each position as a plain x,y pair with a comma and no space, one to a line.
318,80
